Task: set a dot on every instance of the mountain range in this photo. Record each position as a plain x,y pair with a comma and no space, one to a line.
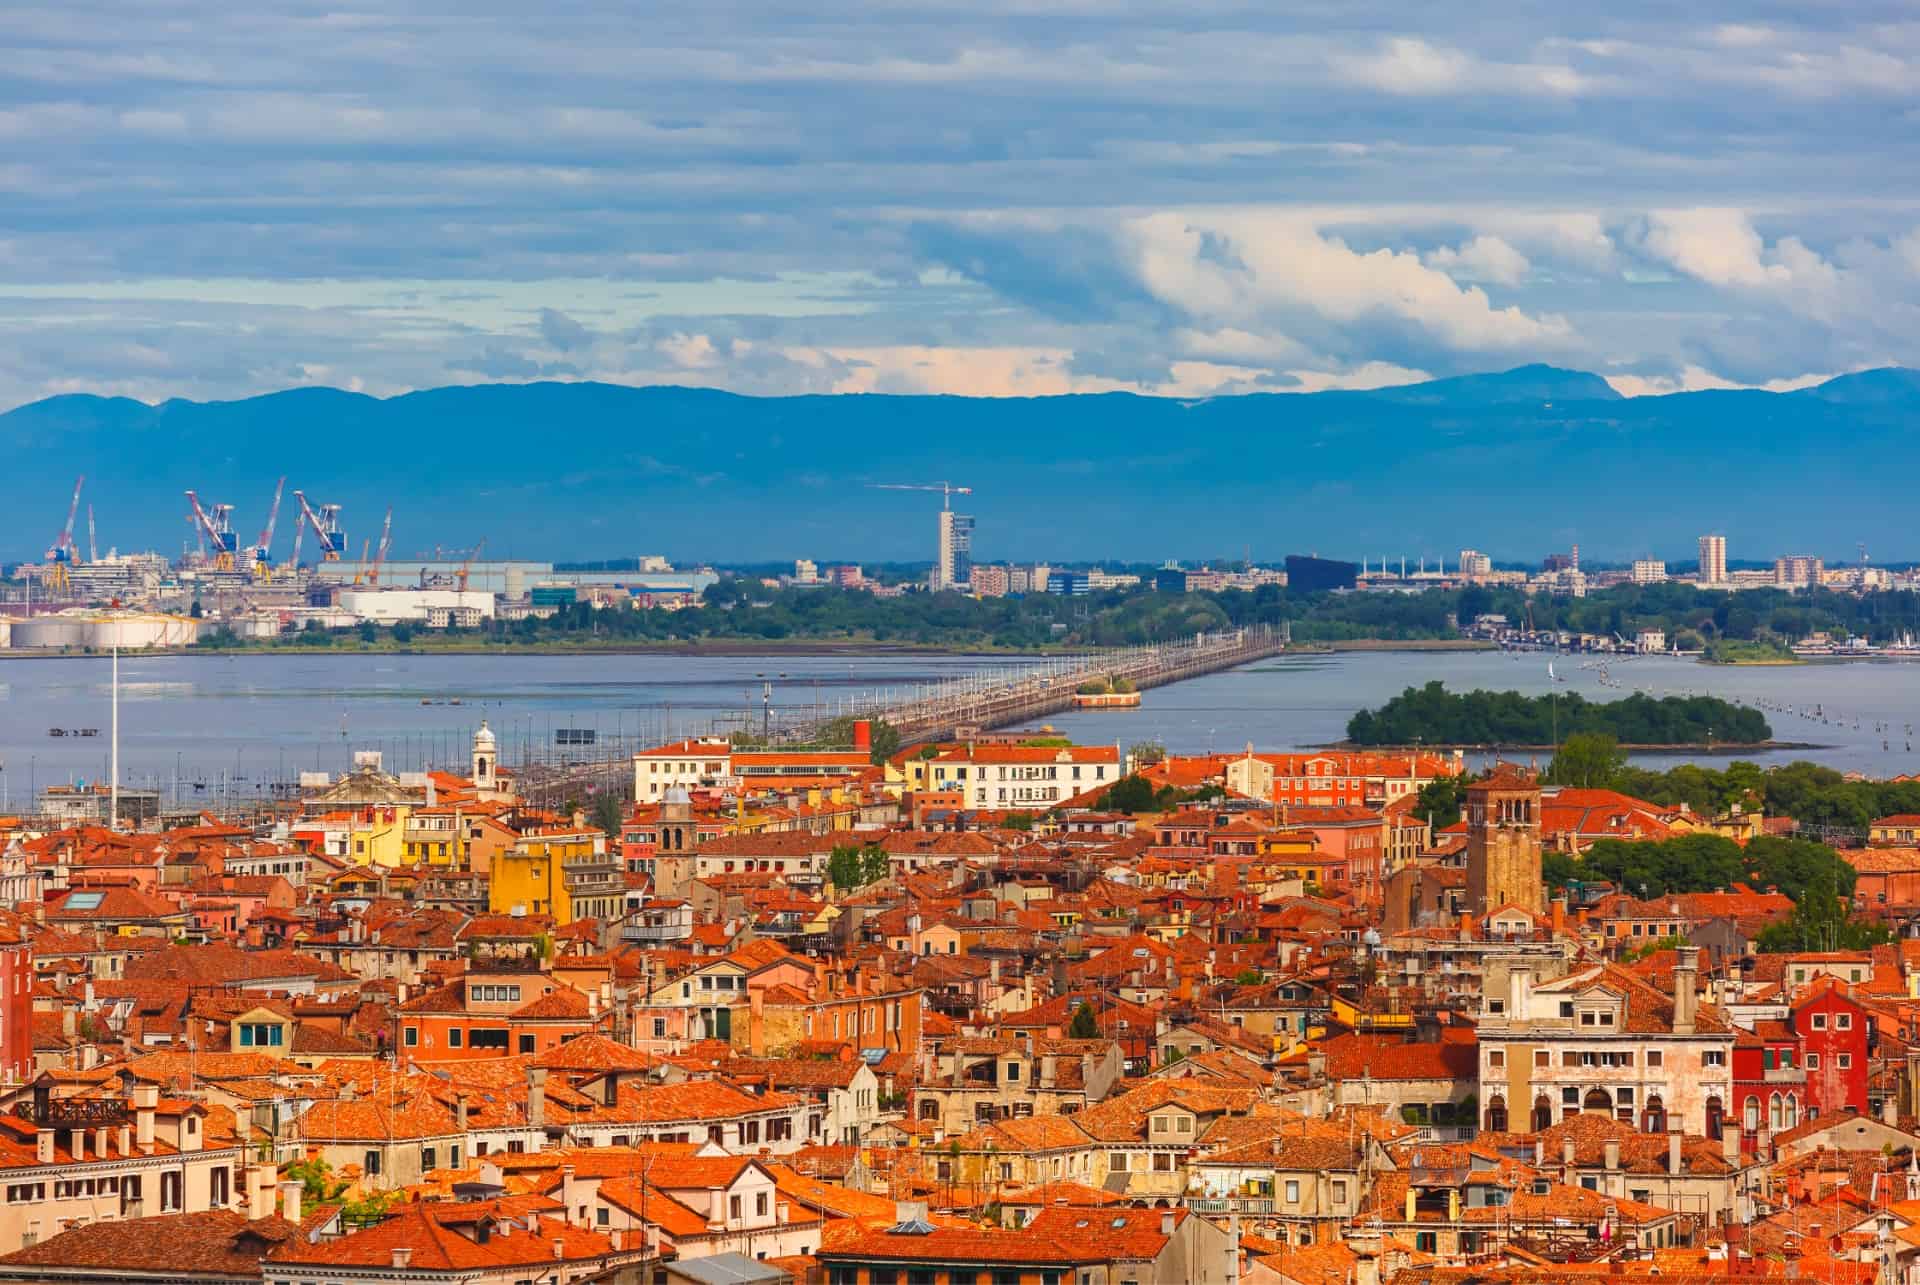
1517,464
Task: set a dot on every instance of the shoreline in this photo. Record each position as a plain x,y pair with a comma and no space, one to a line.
726,647
1466,747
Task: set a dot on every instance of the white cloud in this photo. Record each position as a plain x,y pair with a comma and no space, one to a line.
1717,246
1416,67
1694,379
1241,269
1372,374
1485,258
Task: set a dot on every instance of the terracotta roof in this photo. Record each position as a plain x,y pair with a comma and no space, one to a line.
215,1243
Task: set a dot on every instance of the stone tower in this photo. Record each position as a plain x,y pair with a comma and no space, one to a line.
1503,843
486,759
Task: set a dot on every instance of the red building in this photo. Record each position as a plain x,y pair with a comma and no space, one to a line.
16,1009
1769,1081
1836,1037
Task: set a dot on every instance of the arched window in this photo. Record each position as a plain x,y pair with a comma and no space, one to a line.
1497,1114
1599,1101
1774,1114
1654,1119
1751,1115
1792,1111
1716,1114
1542,1113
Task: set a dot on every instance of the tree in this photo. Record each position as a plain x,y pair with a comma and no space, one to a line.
874,863
1018,821
369,632
1146,753
1085,1025
850,867
1441,800
1129,794
1590,760
607,813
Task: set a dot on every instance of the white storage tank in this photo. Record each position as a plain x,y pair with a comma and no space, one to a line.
131,631
59,630
261,624
6,631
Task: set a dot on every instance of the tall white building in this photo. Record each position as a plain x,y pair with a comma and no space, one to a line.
1475,563
1713,559
1649,571
954,569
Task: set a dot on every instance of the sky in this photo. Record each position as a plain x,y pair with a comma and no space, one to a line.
995,197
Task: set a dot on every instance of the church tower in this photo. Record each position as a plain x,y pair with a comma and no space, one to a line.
486,761
1503,843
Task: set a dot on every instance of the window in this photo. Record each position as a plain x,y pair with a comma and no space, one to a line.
1819,1021
411,1036
733,1206
428,1157
1013,1073
370,1164
1162,1162
1813,1061
1293,1191
1117,1162
488,1038
1497,1058
1714,1057
1339,1191
1566,1008
1846,1061
454,1036
1655,1057
760,1203
1542,1058
526,1043
1843,1021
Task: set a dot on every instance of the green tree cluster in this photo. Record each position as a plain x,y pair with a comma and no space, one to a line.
1432,715
850,866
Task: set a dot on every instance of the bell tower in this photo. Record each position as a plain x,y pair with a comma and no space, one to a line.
486,760
1503,843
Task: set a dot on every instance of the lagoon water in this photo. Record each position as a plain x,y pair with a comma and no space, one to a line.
195,726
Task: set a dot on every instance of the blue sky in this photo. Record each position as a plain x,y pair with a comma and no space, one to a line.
991,197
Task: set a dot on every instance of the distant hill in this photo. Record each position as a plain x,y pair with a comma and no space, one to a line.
1517,463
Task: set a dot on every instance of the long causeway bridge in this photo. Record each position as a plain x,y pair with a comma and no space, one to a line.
973,702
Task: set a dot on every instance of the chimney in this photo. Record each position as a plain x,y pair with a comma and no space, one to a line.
460,1111
43,1146
1890,1111
1686,992
79,1145
1558,909
1673,1152
1566,1160
537,1096
1519,991
1730,1141
291,1195
402,1255
258,1204
1166,1222
1365,1242
146,1103
1611,1149
569,1193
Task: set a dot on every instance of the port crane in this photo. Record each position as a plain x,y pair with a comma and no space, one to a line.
467,566
217,522
946,490
93,545
262,550
62,555
325,522
380,554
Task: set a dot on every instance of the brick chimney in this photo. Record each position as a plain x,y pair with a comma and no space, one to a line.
537,1096
1686,990
291,1196
402,1255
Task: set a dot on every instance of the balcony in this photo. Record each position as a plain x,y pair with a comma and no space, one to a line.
1249,1205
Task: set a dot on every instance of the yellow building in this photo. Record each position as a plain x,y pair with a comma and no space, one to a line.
567,873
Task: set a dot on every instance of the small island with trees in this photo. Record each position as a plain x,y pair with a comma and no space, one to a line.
1433,717
1106,693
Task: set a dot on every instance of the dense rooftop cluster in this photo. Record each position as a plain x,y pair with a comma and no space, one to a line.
958,1016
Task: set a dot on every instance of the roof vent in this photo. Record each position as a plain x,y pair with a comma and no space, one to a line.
912,1227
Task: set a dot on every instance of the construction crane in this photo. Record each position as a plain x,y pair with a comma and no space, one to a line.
299,529
947,490
326,527
380,554
62,555
467,566
360,576
93,545
263,547
217,522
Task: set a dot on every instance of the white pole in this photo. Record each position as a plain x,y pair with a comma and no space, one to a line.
113,784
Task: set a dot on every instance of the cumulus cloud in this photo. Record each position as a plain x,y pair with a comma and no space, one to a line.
1237,268
1414,66
1485,258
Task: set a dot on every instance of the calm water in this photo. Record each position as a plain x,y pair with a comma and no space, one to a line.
214,724
1302,701
207,724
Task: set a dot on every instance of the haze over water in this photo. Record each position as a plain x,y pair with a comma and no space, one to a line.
205,719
